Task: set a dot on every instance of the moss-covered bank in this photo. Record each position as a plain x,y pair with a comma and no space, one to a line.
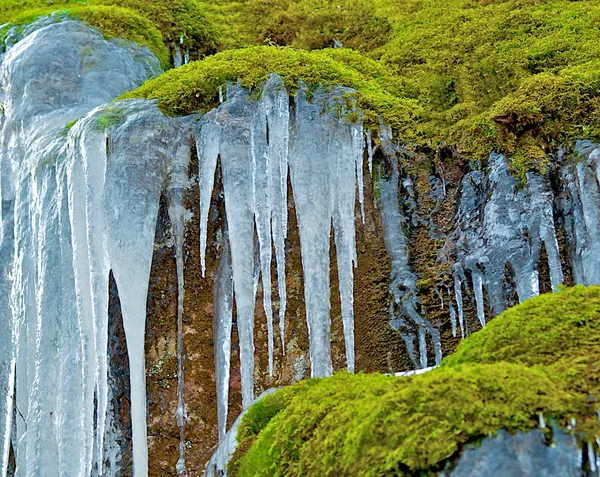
539,357
195,87
515,76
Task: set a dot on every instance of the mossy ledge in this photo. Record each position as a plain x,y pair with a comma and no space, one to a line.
195,87
540,357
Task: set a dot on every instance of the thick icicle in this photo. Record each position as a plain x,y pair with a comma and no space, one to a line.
134,180
311,171
235,117
347,141
261,184
207,147
275,101
222,321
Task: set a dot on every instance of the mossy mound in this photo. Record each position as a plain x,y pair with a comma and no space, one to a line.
113,22
537,358
311,24
538,331
160,25
195,87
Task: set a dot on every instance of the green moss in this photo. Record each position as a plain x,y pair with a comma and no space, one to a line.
537,331
531,64
540,357
113,115
113,22
195,87
160,25
311,24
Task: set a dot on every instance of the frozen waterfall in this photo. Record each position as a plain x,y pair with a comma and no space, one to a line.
80,200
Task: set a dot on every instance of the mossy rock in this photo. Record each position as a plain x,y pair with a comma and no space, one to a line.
195,87
160,25
539,331
538,358
113,22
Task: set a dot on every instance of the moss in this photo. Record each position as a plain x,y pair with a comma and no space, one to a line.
156,24
195,87
531,65
311,24
113,22
538,358
537,331
113,115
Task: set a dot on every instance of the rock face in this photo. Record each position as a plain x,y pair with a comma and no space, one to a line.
523,455
174,269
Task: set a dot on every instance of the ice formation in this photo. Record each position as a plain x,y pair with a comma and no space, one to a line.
404,305
81,202
505,229
55,241
502,228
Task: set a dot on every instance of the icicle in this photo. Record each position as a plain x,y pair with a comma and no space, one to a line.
81,202
311,170
358,149
478,289
370,152
7,336
459,305
276,103
236,164
453,319
70,404
207,146
349,147
222,318
542,420
261,184
591,457
177,213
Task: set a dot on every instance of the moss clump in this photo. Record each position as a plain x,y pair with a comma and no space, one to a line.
195,87
539,357
311,24
538,331
156,24
113,22
518,76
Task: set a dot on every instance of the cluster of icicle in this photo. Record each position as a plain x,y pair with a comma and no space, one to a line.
68,217
257,142
80,203
503,227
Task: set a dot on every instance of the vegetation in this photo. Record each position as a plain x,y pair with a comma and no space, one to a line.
113,22
517,76
195,87
539,357
160,25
